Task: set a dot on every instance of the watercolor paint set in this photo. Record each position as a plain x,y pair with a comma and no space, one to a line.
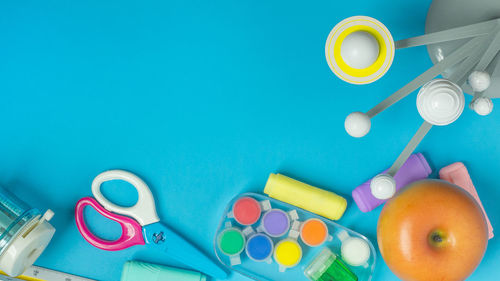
266,239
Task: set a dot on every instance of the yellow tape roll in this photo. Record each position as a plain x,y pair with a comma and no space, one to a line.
365,71
349,26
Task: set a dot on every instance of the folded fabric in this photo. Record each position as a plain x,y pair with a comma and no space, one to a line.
136,270
457,173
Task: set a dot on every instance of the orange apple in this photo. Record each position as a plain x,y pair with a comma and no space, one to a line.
432,231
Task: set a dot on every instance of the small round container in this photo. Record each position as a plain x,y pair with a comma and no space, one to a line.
313,232
246,210
259,247
231,241
355,251
275,223
287,253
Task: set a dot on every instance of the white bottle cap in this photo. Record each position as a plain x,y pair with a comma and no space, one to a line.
27,246
440,102
383,186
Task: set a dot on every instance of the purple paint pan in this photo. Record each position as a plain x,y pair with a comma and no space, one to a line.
275,223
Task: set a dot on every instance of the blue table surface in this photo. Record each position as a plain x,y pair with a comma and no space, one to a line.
203,99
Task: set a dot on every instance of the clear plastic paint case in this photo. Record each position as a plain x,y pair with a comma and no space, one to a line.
354,254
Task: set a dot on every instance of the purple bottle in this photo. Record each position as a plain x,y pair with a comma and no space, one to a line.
414,169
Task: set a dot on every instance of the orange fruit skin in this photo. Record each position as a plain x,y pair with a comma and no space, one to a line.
408,219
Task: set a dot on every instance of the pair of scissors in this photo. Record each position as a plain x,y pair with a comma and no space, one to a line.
140,225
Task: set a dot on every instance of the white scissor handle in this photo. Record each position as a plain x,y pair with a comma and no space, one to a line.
144,211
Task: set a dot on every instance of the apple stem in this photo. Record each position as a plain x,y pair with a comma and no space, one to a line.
436,238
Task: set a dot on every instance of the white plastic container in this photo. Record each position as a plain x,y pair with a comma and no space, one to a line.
24,233
272,269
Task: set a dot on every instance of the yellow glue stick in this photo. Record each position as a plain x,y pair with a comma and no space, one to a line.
307,197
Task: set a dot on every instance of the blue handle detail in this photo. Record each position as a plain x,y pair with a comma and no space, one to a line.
162,238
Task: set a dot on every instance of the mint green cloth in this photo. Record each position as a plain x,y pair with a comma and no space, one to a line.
136,270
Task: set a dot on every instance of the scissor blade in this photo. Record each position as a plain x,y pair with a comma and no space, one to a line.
161,237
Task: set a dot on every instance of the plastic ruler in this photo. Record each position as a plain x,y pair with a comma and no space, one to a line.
36,273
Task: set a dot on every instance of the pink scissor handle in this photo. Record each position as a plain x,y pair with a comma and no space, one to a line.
131,230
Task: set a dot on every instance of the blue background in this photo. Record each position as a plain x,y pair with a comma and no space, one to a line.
203,99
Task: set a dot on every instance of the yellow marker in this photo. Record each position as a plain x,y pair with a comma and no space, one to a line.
287,253
307,197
